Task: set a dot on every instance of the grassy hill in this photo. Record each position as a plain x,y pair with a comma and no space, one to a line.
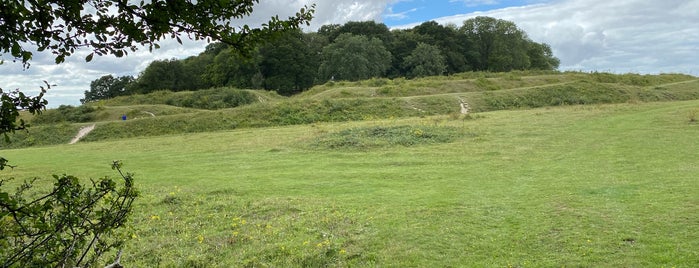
168,113
600,185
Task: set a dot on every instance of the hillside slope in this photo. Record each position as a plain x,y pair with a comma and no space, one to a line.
158,114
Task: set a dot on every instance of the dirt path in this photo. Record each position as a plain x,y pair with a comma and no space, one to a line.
83,131
680,82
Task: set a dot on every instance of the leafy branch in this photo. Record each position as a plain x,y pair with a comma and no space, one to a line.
72,225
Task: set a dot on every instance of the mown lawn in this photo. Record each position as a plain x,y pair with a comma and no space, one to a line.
575,186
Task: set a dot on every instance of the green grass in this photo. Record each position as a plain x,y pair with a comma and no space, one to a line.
571,186
158,113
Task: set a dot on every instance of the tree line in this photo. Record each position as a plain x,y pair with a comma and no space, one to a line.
296,61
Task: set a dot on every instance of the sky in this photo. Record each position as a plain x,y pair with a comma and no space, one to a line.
616,36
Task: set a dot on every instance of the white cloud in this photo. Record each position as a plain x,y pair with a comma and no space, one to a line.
617,36
473,3
398,16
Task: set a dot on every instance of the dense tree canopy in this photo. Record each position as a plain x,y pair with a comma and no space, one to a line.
289,64
161,74
454,46
425,60
354,57
502,46
107,87
296,61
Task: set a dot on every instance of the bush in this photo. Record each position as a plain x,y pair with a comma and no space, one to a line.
72,225
485,84
211,99
67,113
569,94
380,136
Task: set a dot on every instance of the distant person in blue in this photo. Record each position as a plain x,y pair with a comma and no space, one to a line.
123,117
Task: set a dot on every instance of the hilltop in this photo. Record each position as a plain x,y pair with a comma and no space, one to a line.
169,113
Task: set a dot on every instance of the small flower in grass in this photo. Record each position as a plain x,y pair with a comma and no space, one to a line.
154,217
343,251
235,233
325,242
200,239
418,132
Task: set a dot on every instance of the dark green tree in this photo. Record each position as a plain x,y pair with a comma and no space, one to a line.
193,71
289,64
402,44
502,46
352,57
329,31
160,75
541,57
425,60
230,68
370,29
214,48
454,46
107,87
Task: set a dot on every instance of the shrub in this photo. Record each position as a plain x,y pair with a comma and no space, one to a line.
377,82
212,99
486,84
380,136
72,225
67,113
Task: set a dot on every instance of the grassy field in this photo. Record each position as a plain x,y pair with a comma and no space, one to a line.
572,186
171,113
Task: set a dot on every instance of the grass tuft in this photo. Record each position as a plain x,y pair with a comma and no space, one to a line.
381,136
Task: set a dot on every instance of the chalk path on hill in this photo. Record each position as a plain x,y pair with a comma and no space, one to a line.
83,131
